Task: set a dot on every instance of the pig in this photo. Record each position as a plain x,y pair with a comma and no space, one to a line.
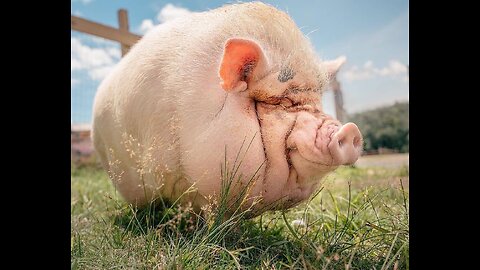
236,89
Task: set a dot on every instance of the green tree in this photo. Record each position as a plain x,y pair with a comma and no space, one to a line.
385,127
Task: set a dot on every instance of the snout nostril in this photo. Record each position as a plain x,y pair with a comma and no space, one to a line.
356,141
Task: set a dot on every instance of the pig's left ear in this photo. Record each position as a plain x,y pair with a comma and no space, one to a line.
333,66
242,60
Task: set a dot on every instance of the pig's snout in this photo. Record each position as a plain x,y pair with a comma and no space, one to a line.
346,144
324,141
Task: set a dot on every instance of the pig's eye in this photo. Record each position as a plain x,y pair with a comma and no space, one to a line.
286,102
280,101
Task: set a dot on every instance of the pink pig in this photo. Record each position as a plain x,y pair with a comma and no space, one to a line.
237,83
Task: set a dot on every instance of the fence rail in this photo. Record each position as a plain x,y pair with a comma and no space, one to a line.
121,34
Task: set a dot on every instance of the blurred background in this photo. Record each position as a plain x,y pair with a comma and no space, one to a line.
371,88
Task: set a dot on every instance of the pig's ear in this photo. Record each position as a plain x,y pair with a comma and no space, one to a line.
242,60
333,66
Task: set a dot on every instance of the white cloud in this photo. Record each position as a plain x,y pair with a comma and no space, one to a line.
88,56
146,26
395,69
101,41
98,62
74,81
76,13
167,13
100,73
114,52
170,12
75,64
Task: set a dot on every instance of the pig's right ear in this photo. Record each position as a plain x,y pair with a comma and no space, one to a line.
333,66
242,60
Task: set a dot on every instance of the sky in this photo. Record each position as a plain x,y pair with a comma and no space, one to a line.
372,34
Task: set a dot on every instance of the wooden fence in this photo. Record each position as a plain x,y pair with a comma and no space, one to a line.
120,34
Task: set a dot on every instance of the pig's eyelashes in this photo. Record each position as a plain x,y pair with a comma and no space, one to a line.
285,102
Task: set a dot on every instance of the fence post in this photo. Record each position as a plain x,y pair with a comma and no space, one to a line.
338,96
123,26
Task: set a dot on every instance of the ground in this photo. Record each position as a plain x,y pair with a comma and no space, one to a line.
386,161
358,220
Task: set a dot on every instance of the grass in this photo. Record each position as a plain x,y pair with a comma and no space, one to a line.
359,220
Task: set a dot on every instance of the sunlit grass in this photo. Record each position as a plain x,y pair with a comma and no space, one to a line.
359,220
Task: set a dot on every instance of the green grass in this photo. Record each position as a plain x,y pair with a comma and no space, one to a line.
359,220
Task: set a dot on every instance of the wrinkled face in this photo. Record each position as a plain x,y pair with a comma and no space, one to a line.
301,143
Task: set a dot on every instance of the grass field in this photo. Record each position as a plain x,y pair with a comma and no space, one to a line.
385,161
359,220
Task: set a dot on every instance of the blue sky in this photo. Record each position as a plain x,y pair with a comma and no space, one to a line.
372,34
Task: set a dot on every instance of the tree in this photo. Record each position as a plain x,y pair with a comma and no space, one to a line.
385,127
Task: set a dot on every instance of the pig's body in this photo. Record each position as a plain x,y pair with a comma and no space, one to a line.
163,120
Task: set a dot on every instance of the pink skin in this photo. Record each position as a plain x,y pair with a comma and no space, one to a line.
301,147
325,141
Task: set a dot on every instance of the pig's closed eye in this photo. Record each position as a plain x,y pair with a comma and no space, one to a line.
286,102
280,101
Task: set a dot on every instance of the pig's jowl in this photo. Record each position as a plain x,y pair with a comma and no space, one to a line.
237,82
